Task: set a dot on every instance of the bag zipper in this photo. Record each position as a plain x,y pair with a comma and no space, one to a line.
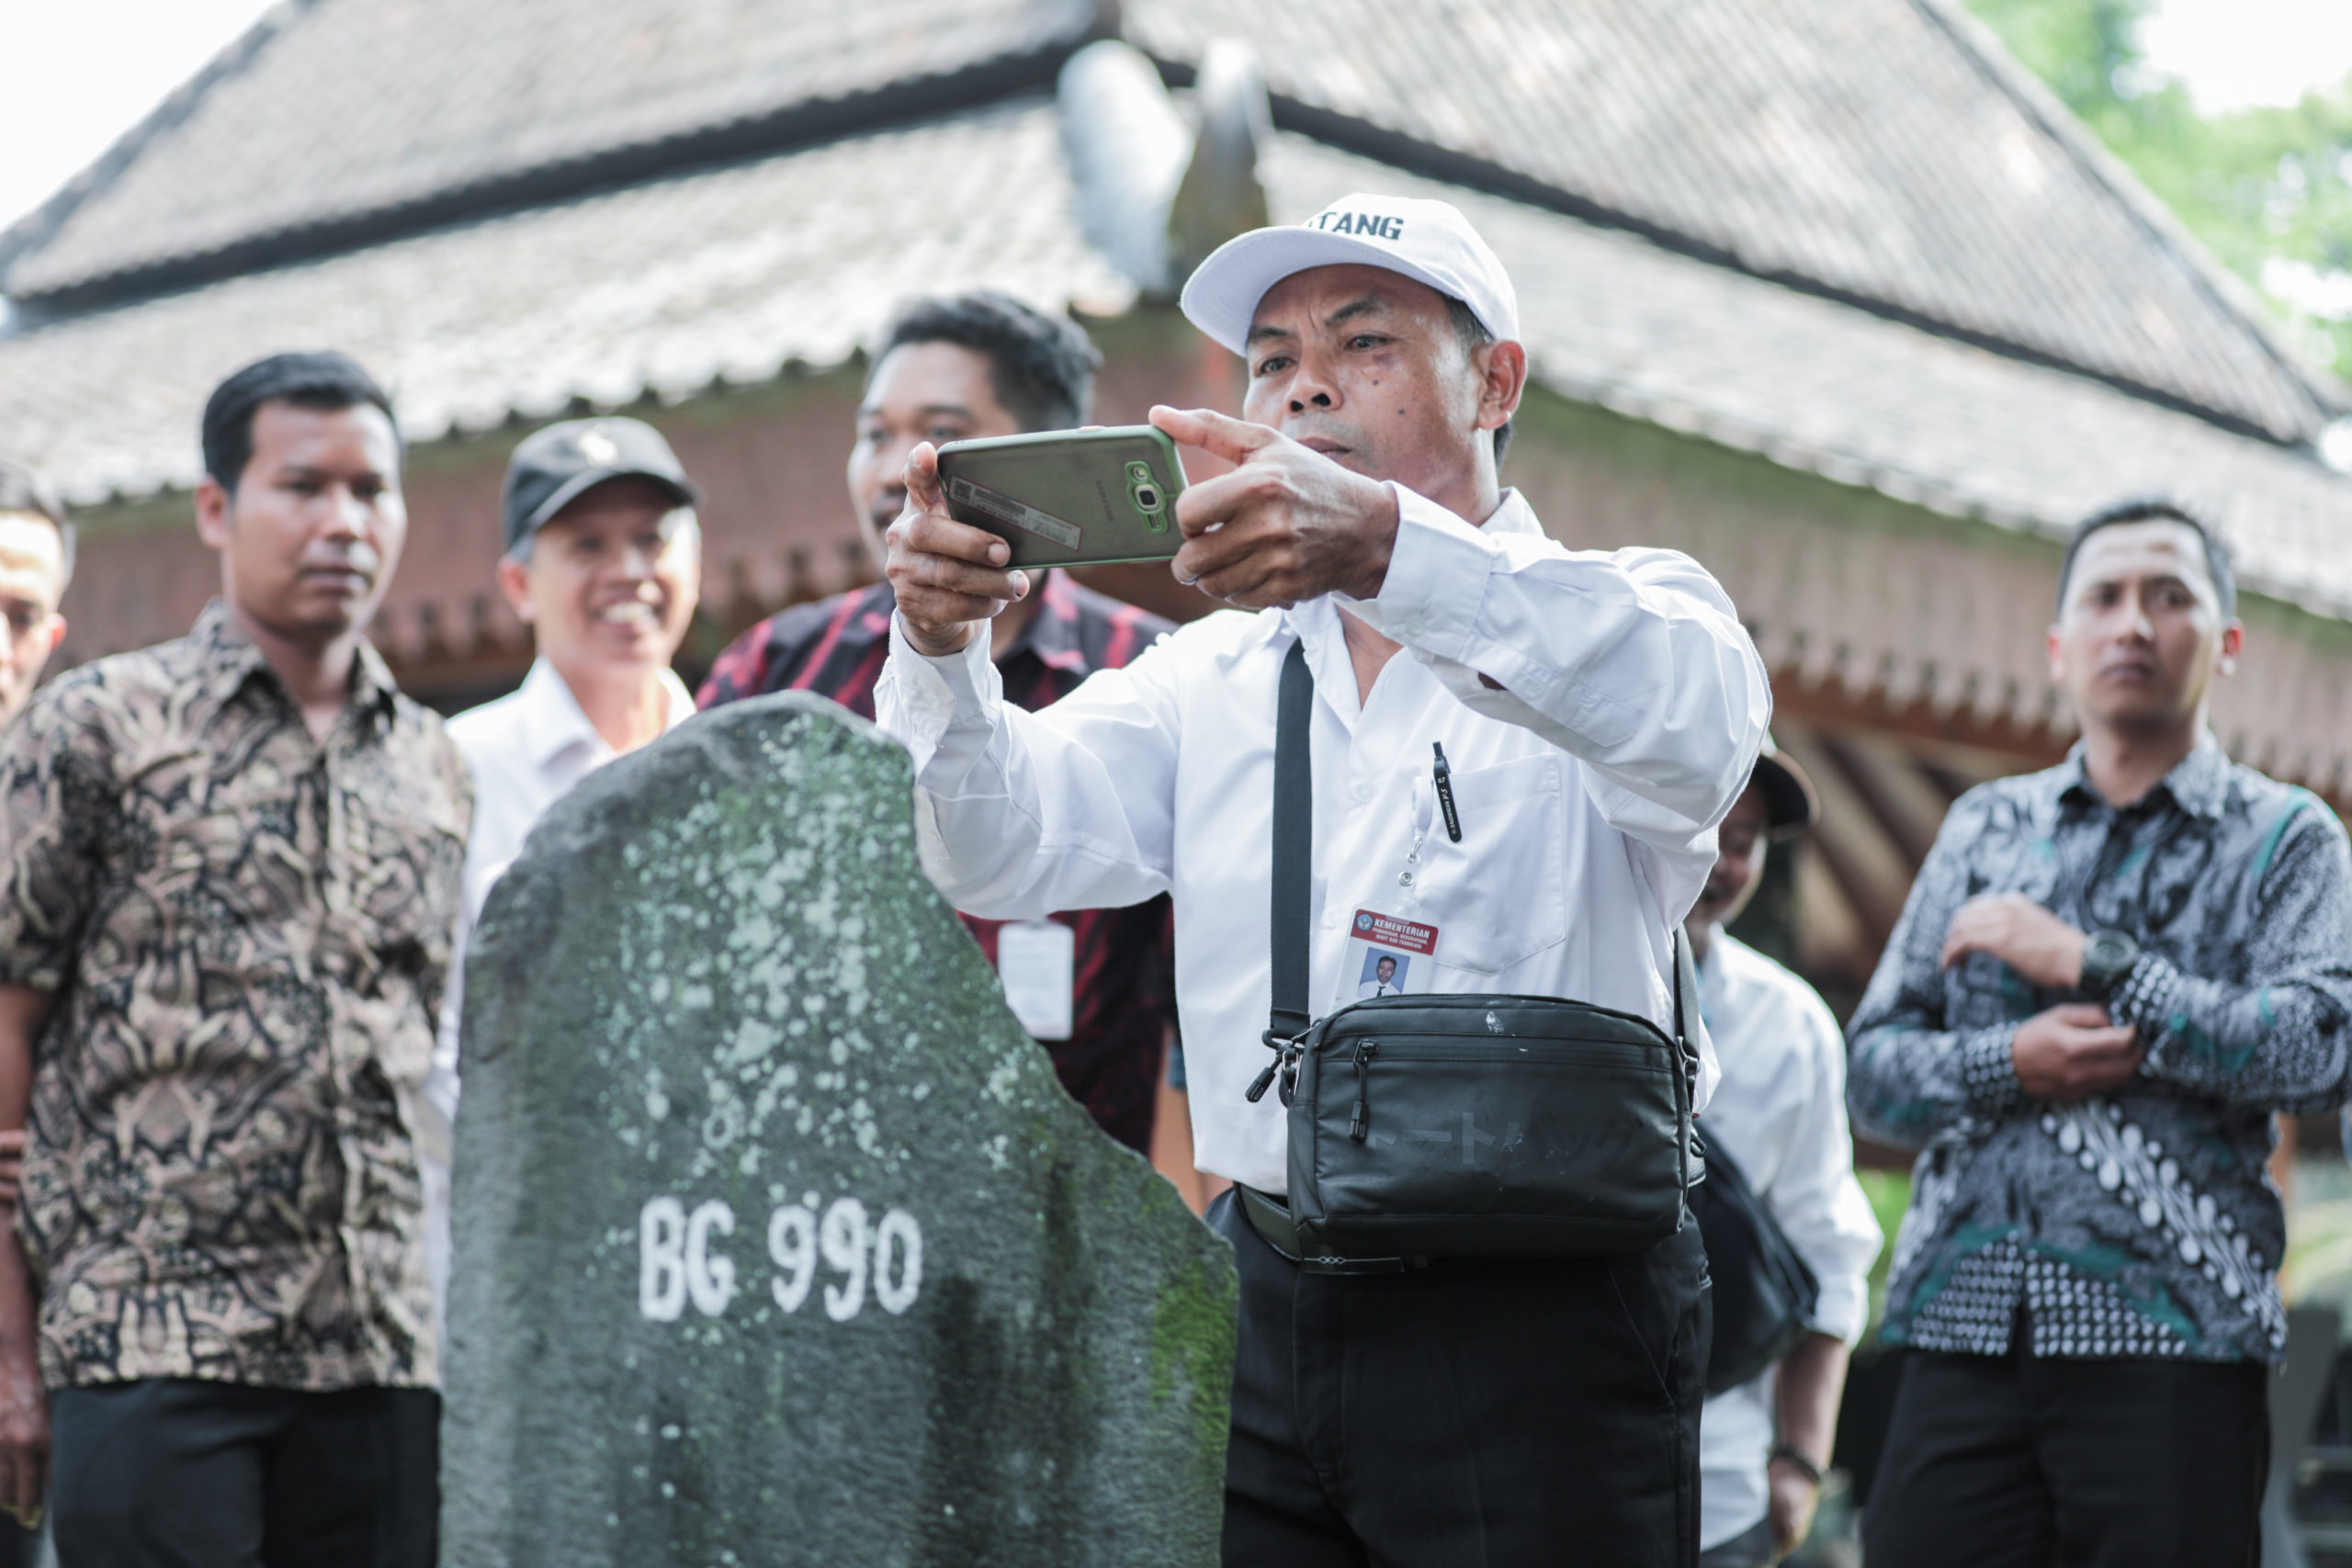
1608,1053
1360,1124
1457,1001
1616,1053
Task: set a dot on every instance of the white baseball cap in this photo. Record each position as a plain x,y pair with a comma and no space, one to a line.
1429,242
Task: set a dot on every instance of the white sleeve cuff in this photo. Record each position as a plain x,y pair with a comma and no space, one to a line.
920,699
1843,1309
1437,577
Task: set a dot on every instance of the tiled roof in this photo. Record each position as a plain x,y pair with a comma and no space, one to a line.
336,110
1865,149
726,276
737,273
1883,151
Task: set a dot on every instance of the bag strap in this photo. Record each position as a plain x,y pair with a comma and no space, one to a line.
1689,1025
1293,848
1686,1004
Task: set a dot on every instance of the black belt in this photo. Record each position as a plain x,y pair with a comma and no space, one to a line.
1271,1219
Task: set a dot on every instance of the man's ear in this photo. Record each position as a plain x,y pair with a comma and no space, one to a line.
514,582
1502,381
213,504
56,632
2232,644
2057,664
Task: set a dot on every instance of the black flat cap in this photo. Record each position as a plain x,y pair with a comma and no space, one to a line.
1790,804
555,465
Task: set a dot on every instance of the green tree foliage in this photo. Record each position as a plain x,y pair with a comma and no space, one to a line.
2269,189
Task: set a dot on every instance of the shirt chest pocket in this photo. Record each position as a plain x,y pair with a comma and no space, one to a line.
1499,896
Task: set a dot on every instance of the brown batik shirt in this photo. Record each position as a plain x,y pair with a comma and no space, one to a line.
245,931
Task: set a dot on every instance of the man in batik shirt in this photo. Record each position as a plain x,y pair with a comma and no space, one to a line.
2107,978
232,870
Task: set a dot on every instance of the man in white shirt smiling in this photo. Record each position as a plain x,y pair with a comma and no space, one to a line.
604,562
1598,713
1779,1113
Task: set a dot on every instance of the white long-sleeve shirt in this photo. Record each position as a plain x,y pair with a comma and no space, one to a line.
1781,1112
1588,789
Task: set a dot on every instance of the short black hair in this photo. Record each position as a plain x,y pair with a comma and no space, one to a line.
326,380
2156,509
1042,367
1474,335
22,490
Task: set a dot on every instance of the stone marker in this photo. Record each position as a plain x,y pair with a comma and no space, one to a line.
777,1241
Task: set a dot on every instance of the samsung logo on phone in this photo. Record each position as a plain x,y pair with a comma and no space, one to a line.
1372,223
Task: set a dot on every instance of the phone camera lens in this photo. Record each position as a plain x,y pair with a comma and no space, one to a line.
1147,498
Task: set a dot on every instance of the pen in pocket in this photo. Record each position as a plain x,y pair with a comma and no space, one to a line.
1444,776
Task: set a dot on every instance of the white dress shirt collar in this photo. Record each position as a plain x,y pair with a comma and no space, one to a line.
549,721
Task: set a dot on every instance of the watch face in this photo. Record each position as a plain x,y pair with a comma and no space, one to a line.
2106,955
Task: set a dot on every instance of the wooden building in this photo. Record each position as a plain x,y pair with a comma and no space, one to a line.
1825,291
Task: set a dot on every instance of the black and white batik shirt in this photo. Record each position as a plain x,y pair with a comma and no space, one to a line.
2138,1223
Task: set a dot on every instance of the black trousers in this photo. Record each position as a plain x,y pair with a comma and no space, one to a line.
1999,1461
172,1474
1469,1414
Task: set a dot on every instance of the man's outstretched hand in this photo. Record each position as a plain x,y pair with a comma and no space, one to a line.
950,577
1287,524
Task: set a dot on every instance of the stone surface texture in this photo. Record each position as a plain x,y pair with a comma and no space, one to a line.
777,1241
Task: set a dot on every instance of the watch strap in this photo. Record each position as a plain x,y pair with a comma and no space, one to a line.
1789,1453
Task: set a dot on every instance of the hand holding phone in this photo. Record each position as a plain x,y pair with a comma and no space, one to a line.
1069,497
950,577
1290,522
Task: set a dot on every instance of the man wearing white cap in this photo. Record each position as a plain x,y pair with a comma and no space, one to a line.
1597,713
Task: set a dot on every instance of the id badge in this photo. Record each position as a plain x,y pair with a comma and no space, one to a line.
1387,956
1038,962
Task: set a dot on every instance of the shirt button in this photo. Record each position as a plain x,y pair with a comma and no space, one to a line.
1403,879
1360,794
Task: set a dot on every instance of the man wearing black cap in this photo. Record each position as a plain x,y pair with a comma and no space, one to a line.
603,560
1779,1113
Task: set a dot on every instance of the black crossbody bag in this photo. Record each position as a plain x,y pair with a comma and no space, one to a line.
1463,1125
1765,1291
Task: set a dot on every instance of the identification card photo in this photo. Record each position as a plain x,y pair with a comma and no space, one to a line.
1387,956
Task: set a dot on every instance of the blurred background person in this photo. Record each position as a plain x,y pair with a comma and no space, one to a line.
232,864
604,562
1093,985
2108,978
36,563
1779,1113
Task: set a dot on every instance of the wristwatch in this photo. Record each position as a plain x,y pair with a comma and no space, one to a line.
1797,1457
2108,956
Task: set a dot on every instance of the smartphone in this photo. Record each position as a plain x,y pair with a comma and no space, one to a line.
1069,497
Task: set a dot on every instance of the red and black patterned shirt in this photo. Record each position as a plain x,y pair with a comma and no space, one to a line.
1125,1002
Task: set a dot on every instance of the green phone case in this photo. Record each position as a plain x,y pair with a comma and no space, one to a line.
1069,497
